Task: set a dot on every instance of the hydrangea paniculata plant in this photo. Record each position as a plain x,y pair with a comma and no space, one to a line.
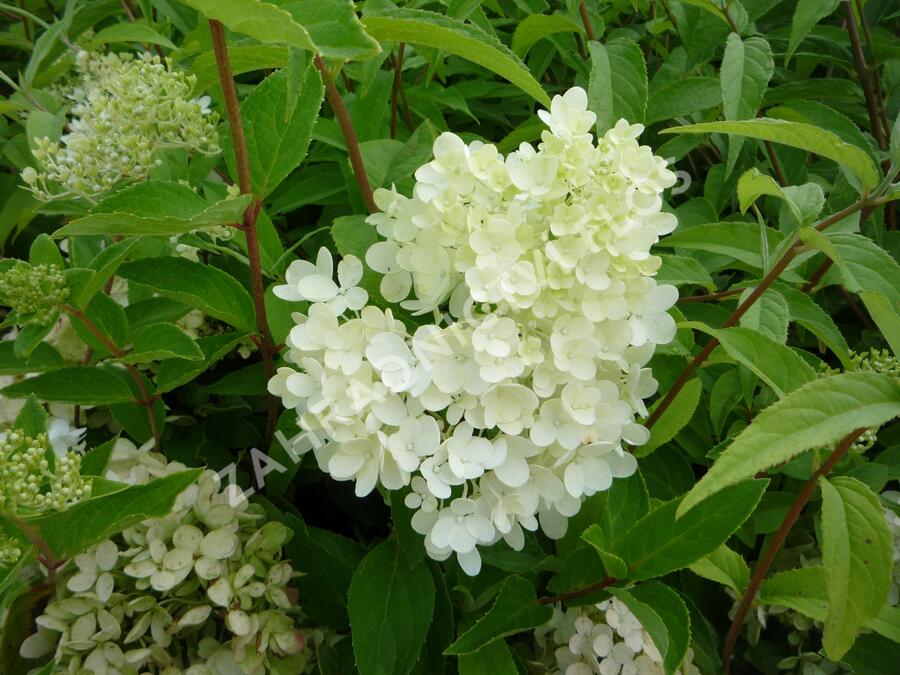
516,401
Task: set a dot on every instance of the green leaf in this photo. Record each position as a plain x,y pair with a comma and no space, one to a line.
127,223
797,135
740,241
538,26
680,270
807,14
131,32
515,610
768,316
676,416
175,372
746,69
683,97
886,315
863,265
617,87
260,20
32,418
278,128
492,659
202,286
43,357
660,542
615,567
670,608
76,385
801,589
752,185
160,341
819,413
779,366
804,311
104,266
725,567
648,617
873,655
69,532
95,460
390,607
420,27
857,552
327,561
334,28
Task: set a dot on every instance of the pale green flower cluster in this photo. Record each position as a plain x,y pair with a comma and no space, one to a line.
33,291
34,479
202,591
122,109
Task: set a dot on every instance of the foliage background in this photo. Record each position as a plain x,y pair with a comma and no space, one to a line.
785,258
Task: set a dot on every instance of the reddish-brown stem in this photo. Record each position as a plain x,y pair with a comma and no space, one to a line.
586,19
579,593
395,88
777,541
863,72
817,275
876,79
343,119
776,165
147,400
742,308
248,225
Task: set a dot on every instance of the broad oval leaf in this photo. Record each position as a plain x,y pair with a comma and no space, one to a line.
92,520
816,414
260,20
420,27
797,135
661,542
617,87
78,385
390,606
675,417
202,286
857,552
538,26
514,611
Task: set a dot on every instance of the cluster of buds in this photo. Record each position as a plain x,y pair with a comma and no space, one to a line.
606,638
33,479
123,108
34,291
201,591
873,361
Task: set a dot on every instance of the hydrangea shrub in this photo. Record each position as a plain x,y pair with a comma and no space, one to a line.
449,338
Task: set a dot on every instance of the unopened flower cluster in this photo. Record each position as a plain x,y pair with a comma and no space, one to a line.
602,639
202,591
122,108
34,480
514,404
34,291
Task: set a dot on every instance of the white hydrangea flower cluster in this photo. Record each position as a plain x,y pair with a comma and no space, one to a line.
513,406
202,591
122,108
602,639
